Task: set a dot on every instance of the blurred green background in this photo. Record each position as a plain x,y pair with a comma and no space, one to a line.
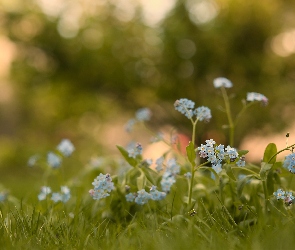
78,69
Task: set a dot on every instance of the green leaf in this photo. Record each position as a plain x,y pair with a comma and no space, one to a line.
150,175
241,184
133,162
191,154
243,152
269,152
265,167
229,171
141,181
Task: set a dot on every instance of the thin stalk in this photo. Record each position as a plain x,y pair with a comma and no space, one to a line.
265,195
229,117
192,165
286,148
193,170
245,107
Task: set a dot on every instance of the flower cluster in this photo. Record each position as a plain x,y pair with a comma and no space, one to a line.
142,197
141,115
66,147
252,96
134,150
63,196
289,163
168,178
216,154
103,185
53,160
186,107
284,195
222,82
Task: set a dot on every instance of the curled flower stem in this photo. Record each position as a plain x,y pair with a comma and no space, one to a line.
284,149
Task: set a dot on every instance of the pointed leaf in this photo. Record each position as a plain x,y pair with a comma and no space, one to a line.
191,154
242,182
269,152
141,181
133,162
229,171
243,152
265,167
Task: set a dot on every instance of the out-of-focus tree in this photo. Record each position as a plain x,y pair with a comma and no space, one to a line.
80,61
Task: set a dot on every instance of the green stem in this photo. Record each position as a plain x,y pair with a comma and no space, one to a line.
193,170
248,170
245,107
229,117
286,148
265,195
191,187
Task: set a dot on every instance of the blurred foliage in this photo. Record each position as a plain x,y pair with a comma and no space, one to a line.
81,64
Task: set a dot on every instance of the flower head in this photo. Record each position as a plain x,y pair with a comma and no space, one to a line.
130,197
142,197
157,195
103,185
203,113
221,81
53,160
134,150
44,192
289,163
66,147
252,96
185,106
279,194
143,114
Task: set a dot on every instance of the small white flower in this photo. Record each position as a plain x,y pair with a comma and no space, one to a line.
222,81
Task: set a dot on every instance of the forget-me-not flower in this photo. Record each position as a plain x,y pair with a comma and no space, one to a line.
66,147
222,81
103,185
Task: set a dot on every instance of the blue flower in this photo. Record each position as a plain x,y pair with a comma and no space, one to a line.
289,163
44,192
157,195
172,167
280,194
143,114
66,147
53,160
167,181
289,198
159,164
142,197
203,113
130,197
253,96
217,167
185,106
129,125
65,193
241,163
56,197
188,175
221,81
32,160
134,150
103,185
